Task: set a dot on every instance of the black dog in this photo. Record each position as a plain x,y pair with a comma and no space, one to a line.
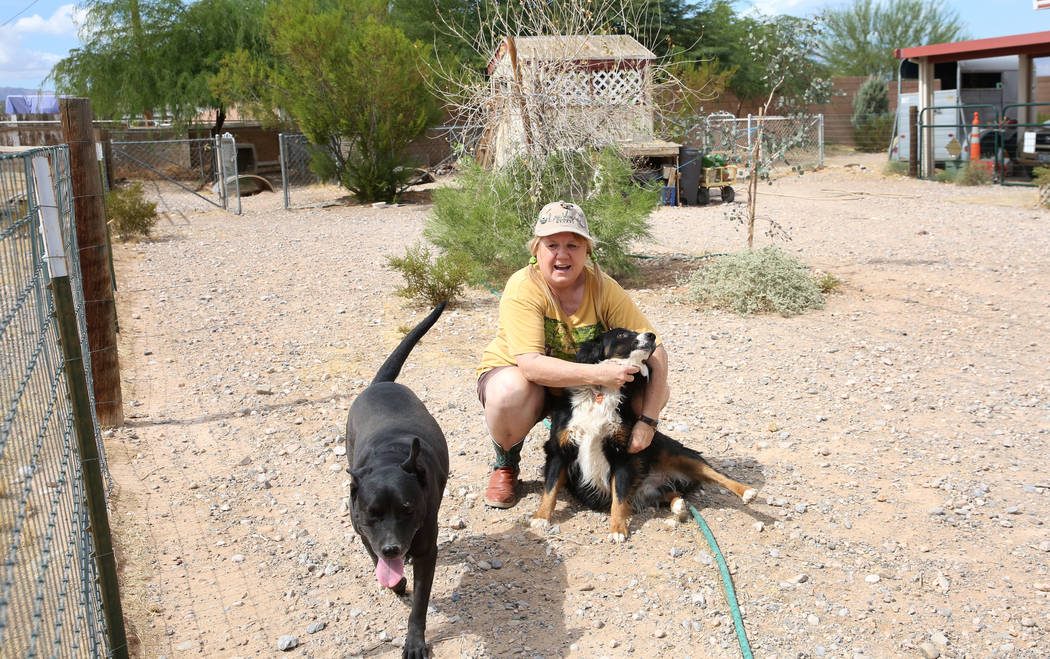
590,432
398,467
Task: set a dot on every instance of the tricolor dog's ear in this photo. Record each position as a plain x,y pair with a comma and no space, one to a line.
590,352
411,465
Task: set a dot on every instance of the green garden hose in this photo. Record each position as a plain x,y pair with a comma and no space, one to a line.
738,622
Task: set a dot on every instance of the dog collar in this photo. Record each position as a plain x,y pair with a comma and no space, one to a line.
649,420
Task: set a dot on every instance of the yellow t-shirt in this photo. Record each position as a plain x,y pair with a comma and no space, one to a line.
528,321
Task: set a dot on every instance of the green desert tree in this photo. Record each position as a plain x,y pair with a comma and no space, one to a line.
872,121
154,57
859,39
354,84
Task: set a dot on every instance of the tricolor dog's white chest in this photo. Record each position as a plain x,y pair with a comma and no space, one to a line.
594,417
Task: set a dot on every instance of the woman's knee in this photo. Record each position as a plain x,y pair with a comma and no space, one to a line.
508,389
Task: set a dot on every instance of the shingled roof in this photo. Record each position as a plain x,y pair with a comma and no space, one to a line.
579,47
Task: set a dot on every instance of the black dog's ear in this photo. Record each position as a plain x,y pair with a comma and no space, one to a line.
411,465
355,477
590,352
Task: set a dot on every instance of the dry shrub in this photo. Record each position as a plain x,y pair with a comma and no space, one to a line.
756,281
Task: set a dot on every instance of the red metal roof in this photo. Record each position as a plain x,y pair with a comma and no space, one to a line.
1036,44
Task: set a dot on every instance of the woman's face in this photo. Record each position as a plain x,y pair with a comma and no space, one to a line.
561,258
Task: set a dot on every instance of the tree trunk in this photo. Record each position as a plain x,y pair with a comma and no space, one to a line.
752,183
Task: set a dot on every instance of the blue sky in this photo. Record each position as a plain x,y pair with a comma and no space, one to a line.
34,34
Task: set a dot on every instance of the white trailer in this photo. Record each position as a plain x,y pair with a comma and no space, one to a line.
951,136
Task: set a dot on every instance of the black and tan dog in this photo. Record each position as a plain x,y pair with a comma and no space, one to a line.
587,450
398,467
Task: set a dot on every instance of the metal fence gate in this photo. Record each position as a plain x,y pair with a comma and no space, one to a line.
193,165
296,153
795,141
1009,150
50,598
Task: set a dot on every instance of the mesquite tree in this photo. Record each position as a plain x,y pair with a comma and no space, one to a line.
353,83
793,80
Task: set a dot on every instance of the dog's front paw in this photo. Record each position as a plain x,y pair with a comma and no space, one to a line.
749,495
415,650
540,524
618,537
678,507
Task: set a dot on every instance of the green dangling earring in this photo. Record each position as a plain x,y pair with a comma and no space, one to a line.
532,260
594,257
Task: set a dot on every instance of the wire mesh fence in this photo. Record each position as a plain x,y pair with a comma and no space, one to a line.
795,141
50,603
296,153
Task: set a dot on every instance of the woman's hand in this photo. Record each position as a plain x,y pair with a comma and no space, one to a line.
641,437
613,375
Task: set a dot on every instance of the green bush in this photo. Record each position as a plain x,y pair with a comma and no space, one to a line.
428,280
872,121
489,214
755,281
973,174
873,133
129,213
871,100
828,283
1041,176
895,168
944,176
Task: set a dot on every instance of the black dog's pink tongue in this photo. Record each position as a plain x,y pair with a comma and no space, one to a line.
389,572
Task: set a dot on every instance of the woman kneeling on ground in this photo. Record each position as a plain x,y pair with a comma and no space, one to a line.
559,300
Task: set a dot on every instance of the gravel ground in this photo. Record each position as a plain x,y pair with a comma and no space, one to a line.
898,438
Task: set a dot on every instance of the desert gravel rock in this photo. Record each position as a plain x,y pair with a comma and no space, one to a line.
898,438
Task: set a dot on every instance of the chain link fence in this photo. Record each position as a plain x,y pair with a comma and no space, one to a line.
796,141
199,169
50,601
296,153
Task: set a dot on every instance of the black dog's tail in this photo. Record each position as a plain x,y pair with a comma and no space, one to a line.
392,366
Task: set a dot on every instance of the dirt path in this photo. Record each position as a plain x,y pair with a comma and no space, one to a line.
899,438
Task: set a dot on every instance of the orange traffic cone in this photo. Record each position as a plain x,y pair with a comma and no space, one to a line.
975,140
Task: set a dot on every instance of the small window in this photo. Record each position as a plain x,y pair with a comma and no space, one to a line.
981,80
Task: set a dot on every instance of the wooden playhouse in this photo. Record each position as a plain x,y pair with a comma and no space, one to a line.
548,91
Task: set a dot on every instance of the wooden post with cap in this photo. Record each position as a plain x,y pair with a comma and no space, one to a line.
89,208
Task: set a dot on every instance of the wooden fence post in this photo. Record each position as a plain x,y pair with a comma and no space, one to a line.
107,158
89,211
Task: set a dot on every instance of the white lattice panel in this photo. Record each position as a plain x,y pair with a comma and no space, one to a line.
575,87
618,86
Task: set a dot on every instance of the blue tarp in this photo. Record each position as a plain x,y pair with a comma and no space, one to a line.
31,104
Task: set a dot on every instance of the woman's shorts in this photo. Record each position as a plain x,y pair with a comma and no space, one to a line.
548,398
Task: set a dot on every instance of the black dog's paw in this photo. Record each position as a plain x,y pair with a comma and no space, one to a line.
399,589
415,650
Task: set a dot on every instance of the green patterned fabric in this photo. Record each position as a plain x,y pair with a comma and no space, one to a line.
556,334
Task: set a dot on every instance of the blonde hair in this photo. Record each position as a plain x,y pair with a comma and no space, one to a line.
538,279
